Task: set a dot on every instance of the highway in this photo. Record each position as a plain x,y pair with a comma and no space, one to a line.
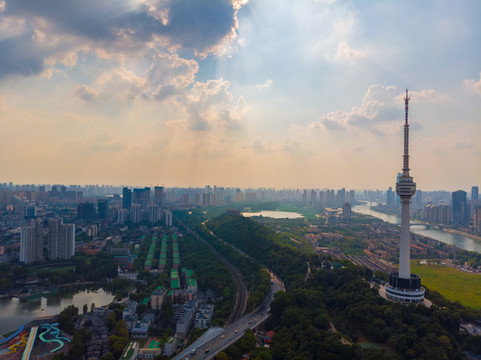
241,301
233,332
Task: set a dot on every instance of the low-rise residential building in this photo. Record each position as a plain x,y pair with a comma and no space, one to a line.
170,346
192,285
157,298
203,317
130,309
185,323
130,321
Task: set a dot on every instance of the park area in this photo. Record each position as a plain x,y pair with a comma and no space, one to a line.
452,283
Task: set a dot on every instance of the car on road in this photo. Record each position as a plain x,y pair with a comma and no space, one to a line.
207,351
250,322
222,336
192,352
236,331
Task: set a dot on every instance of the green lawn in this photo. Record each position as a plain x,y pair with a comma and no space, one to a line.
453,284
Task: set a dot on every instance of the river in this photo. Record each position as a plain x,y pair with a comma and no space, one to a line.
459,241
14,313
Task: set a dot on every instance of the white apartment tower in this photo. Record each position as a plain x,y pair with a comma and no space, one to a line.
61,239
31,242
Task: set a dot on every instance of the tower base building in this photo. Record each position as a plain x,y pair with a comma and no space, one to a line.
405,290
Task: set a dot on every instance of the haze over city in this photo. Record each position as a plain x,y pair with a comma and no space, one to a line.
259,93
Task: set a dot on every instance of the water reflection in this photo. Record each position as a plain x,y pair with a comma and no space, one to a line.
460,241
14,313
275,214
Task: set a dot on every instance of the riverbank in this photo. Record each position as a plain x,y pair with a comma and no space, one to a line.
461,241
452,231
462,233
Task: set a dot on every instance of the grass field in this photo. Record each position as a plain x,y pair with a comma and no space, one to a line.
453,284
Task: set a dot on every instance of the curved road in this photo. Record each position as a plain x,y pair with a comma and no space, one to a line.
237,325
241,301
227,336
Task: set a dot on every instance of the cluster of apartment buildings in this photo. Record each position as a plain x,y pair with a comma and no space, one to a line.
57,237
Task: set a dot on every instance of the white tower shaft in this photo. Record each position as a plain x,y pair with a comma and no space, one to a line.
405,188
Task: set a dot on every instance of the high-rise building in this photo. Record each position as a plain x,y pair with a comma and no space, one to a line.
61,239
159,195
136,213
404,286
352,196
85,211
103,208
474,193
126,198
419,198
31,242
477,218
390,197
122,216
346,212
142,197
460,213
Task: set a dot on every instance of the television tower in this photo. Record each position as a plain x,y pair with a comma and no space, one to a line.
404,286
405,188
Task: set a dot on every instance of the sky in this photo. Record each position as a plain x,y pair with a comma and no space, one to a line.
260,93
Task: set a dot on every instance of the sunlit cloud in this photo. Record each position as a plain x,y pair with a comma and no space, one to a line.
344,51
234,90
474,85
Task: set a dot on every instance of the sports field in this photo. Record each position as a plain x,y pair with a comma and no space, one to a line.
153,344
453,284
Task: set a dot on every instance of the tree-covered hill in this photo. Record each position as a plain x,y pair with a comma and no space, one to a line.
263,244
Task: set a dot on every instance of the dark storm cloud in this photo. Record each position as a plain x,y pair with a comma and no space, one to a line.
193,24
200,24
19,56
93,19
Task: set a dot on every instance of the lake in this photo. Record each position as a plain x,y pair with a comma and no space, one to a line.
14,313
274,214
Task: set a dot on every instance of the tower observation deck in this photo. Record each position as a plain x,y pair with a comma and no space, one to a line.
404,286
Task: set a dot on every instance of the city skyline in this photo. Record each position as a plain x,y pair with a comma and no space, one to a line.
271,94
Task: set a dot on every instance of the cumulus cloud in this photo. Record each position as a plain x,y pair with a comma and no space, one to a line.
207,105
427,96
474,85
168,75
20,56
379,109
377,106
265,85
344,51
109,26
85,93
